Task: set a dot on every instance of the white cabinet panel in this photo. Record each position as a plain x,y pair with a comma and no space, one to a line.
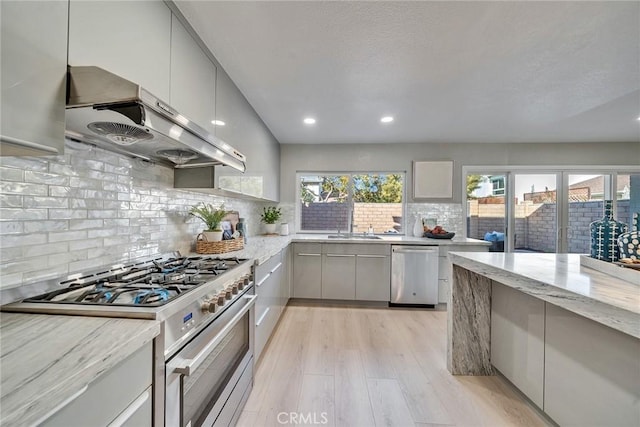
592,372
34,69
245,131
307,270
193,78
338,276
373,277
117,390
517,339
129,38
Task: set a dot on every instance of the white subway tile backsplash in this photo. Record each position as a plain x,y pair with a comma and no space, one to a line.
11,174
11,227
22,214
44,202
10,201
25,163
11,280
23,188
90,208
45,249
85,244
67,213
37,226
65,236
83,224
45,178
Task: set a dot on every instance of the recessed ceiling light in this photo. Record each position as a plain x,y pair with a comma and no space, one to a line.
218,122
309,121
386,119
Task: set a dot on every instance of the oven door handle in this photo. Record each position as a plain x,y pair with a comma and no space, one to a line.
190,365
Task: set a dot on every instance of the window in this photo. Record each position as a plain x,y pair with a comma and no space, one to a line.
498,185
538,210
332,201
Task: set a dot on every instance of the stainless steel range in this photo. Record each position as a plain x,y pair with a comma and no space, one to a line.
203,358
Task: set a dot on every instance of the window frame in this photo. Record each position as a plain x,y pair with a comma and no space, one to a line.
298,209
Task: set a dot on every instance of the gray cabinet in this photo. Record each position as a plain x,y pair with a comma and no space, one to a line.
307,270
444,267
338,272
34,69
517,339
129,38
342,271
592,372
244,130
121,396
373,273
193,78
270,278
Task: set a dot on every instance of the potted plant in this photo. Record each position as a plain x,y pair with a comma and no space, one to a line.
270,215
212,218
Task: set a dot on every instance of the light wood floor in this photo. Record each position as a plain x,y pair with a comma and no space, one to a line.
354,366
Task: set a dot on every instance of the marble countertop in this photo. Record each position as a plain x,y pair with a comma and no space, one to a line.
45,359
261,248
560,280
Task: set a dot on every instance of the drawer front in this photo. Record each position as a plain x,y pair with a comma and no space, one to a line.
265,268
310,248
356,248
265,322
109,395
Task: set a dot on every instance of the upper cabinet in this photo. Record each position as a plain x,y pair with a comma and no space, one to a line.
129,38
34,70
244,130
193,78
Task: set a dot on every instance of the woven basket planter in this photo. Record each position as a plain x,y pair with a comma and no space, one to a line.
205,247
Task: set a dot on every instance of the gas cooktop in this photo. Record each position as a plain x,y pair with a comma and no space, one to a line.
150,284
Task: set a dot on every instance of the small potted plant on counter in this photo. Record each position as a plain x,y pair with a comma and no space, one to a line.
270,215
212,217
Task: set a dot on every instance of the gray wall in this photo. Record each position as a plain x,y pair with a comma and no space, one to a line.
398,157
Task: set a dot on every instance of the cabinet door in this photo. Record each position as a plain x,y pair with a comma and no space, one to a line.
592,372
338,276
119,394
129,38
307,270
517,339
244,130
193,78
34,70
373,278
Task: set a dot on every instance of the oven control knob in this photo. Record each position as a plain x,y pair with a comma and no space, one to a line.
209,306
234,288
240,285
246,280
221,300
228,294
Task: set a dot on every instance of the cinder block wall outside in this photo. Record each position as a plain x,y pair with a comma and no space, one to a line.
536,223
330,216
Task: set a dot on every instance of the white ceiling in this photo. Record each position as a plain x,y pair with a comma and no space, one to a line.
447,71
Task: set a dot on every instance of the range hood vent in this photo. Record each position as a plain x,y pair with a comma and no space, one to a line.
117,115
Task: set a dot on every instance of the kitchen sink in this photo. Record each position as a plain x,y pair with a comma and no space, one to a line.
353,237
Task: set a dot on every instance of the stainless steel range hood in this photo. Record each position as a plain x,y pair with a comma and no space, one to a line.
118,115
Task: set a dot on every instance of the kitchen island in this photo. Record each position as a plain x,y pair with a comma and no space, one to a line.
566,335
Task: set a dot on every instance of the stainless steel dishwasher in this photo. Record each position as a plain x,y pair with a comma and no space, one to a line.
414,275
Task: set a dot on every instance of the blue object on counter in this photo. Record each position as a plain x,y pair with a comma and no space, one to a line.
494,236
